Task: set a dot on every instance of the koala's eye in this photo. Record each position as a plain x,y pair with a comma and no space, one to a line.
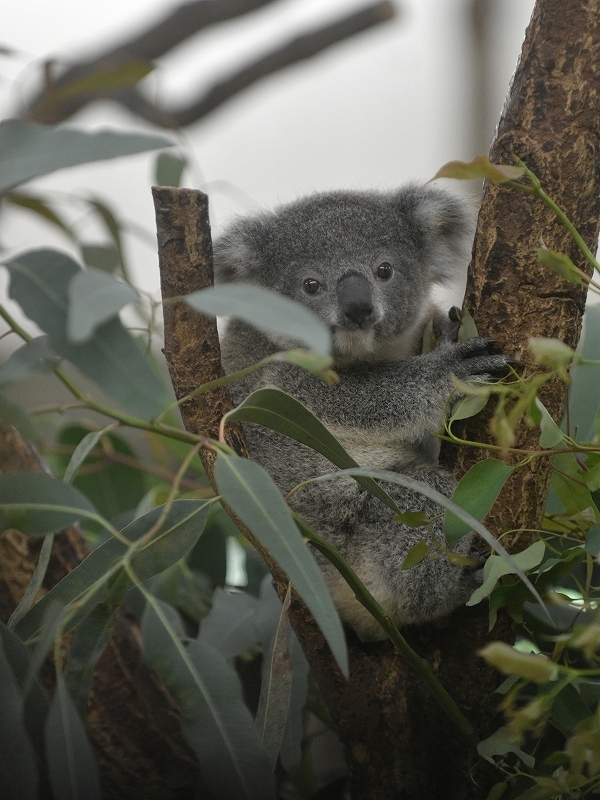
384,271
311,286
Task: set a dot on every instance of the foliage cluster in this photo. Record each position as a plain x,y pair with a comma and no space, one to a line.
161,543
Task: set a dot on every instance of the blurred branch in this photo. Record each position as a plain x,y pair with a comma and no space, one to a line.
183,22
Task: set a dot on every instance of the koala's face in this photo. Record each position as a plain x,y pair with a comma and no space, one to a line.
364,263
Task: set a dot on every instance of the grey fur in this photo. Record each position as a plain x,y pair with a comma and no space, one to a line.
390,399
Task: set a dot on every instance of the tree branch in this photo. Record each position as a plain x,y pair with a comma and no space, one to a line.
151,45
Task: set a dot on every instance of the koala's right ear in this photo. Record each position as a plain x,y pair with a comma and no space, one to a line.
236,253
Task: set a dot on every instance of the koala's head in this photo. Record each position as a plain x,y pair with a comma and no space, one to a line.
364,263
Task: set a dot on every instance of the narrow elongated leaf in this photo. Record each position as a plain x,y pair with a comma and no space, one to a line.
83,449
28,149
215,722
13,414
39,282
101,256
94,298
293,736
426,490
71,763
269,311
113,228
550,434
88,644
257,501
18,767
180,531
110,77
35,584
38,206
281,412
276,688
27,359
480,167
476,493
562,265
22,495
169,168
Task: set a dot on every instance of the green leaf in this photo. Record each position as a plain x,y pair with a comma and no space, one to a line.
38,206
499,744
585,380
532,667
28,150
39,283
88,644
413,519
71,762
169,168
416,554
592,541
550,434
476,493
102,79
27,359
81,452
22,494
561,264
269,311
276,688
94,298
179,533
104,257
479,168
113,228
256,500
568,483
279,411
215,722
469,406
13,414
495,567
18,767
551,353
35,584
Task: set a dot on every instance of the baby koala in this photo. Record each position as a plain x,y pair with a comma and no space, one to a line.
365,264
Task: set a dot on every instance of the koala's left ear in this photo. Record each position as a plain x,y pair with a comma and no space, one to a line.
444,225
236,252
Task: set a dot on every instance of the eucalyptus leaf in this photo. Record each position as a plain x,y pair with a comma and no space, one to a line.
94,298
215,722
71,762
480,167
112,226
499,744
269,311
18,767
279,411
550,434
39,282
28,149
256,500
169,168
38,206
38,504
290,754
495,567
113,76
104,257
83,449
88,644
179,532
476,492
29,358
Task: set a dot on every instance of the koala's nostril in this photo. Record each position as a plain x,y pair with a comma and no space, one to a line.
358,312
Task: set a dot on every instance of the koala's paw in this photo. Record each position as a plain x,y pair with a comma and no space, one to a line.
474,360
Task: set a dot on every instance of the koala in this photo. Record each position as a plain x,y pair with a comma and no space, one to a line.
366,265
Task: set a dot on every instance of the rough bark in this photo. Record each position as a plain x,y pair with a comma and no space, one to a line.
398,742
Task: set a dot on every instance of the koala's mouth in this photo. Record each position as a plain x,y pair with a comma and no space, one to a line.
355,342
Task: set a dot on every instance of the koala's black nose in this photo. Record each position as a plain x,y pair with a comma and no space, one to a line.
355,299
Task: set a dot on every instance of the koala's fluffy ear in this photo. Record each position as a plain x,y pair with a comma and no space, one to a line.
444,225
236,252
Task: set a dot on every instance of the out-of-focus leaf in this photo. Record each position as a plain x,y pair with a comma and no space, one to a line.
476,493
94,298
112,487
29,358
22,492
88,644
104,257
569,709
480,167
39,283
532,667
113,228
267,310
71,762
18,767
281,412
28,149
561,264
35,584
592,541
179,532
551,352
41,208
169,168
210,552
188,591
257,501
550,434
585,381
110,77
413,519
13,414
215,722
566,480
291,746
276,688
499,744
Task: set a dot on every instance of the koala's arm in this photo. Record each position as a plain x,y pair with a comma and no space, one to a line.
405,396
